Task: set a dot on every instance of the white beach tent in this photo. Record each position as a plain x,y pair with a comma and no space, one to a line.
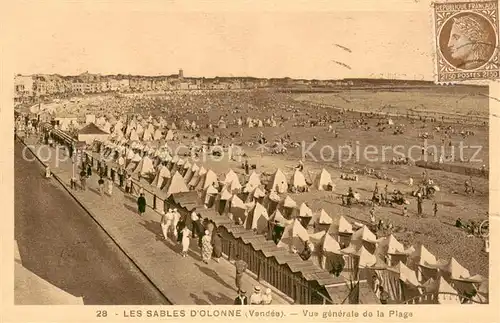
278,182
294,236
322,180
145,166
161,178
253,182
176,185
257,219
298,180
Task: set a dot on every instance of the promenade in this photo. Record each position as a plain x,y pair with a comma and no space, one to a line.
183,281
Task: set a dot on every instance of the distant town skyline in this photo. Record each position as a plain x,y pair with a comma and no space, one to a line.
392,40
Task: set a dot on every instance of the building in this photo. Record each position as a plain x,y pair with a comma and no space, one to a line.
23,86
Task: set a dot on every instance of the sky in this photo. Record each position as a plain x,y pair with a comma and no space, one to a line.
298,39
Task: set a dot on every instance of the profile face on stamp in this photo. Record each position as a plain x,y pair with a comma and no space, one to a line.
467,40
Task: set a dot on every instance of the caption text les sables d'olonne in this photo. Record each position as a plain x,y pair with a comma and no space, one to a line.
324,314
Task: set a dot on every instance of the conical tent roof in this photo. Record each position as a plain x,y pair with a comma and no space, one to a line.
322,180
364,234
455,269
305,211
423,257
177,185
257,219
366,259
294,235
210,179
330,245
406,275
173,126
324,218
253,182
133,135
278,218
289,203
230,176
317,237
389,245
298,179
234,185
225,194
211,190
157,134
145,166
169,136
161,175
236,202
278,182
444,289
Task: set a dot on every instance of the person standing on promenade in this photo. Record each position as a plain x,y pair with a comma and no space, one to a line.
186,240
206,247
217,244
256,297
101,185
83,179
120,176
110,186
241,268
175,222
141,204
89,170
267,298
241,299
128,184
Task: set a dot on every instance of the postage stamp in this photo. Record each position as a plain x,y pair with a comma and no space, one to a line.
466,40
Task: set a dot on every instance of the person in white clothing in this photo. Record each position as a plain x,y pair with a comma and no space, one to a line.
163,224
256,298
267,298
169,219
186,239
175,220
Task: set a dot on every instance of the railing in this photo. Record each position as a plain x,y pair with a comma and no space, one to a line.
432,298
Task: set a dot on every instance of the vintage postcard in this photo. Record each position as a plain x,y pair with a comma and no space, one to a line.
280,161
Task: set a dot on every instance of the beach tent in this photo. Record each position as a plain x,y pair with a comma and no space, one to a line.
237,209
253,182
294,236
145,166
322,180
161,178
133,163
423,262
191,173
454,270
210,195
230,177
210,178
176,185
278,182
305,214
257,219
173,126
271,202
234,186
170,135
331,257
389,245
223,205
289,207
401,282
298,180
444,292
133,135
197,178
157,134
321,220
